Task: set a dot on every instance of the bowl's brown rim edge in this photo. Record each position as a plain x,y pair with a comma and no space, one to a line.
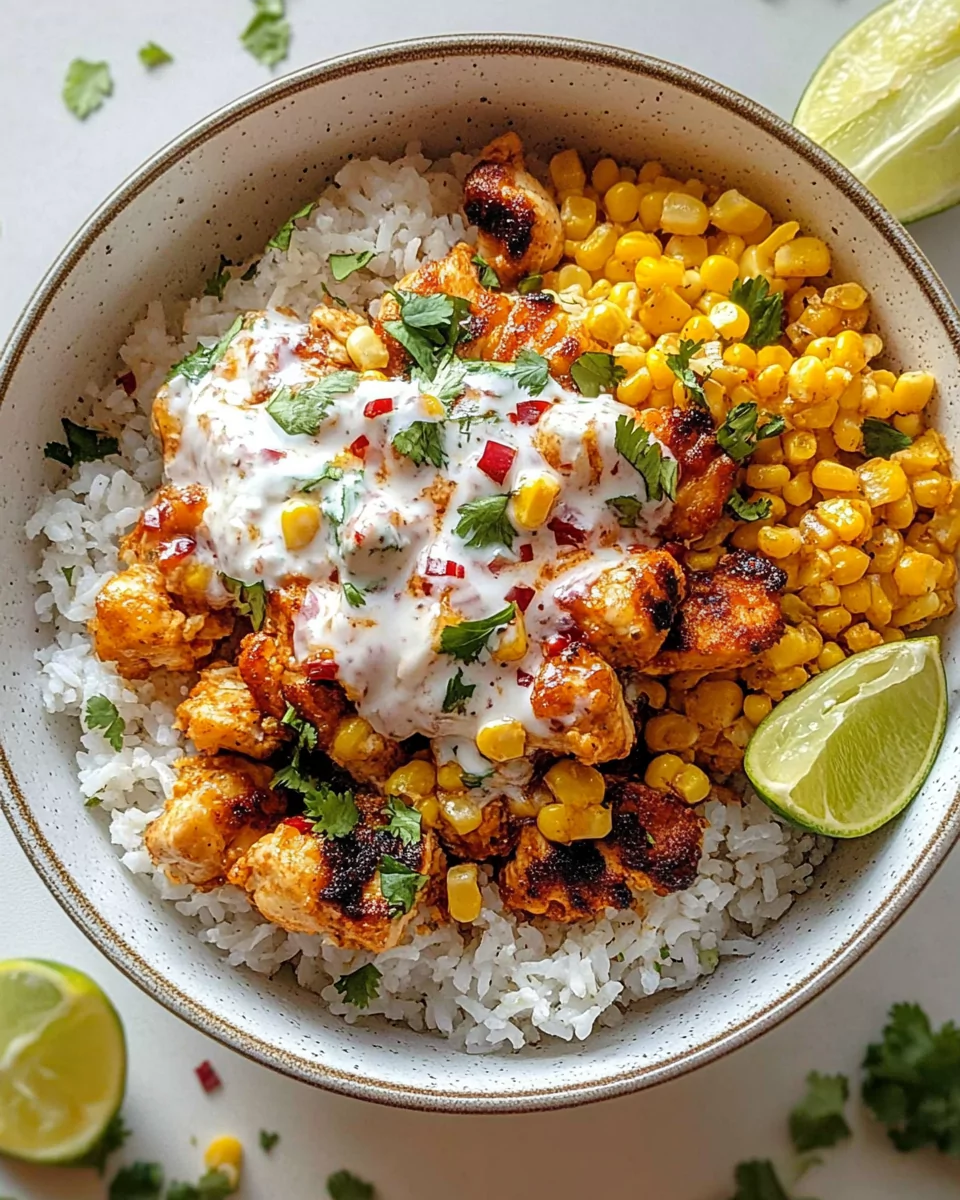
52,870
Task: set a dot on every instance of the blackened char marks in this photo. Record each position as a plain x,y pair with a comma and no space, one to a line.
580,871
354,860
499,210
656,837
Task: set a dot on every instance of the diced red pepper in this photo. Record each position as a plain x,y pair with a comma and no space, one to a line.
301,824
359,447
439,567
176,550
521,595
128,382
524,678
496,460
529,412
321,669
378,408
268,454
556,644
526,552
565,533
209,1079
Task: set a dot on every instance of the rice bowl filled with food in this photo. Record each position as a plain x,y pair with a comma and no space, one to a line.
421,585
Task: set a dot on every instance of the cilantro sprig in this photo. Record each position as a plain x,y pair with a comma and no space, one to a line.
429,327
627,510
484,522
739,433
86,86
881,439
360,986
679,364
531,371
422,442
82,445
344,1185
404,822
198,362
281,239
749,510
457,694
818,1120
153,56
758,1180
399,884
764,309
635,444
103,714
595,372
467,640
485,273
342,266
267,1139
302,410
529,285
249,599
267,36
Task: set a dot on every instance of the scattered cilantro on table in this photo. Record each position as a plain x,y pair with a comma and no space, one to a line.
86,86
267,1139
818,1120
343,1185
153,56
267,36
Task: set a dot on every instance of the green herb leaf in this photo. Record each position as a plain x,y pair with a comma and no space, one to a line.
306,733
447,380
457,694
595,372
153,56
249,599
471,781
138,1181
328,472
429,327
757,1180
343,265
484,522
281,239
422,442
404,821
434,311
82,445
912,1083
531,371
67,573
881,439
112,1138
102,713
749,510
267,37
93,802
468,640
764,310
86,86
353,595
399,884
529,284
486,274
345,1186
818,1119
216,284
198,362
628,510
267,1140
214,1185
738,435
646,457
679,364
302,410
360,986
334,814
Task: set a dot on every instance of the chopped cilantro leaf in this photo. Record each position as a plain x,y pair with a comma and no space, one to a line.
818,1119
485,273
82,445
214,1185
646,457
333,813
484,522
86,86
302,410
343,1185
198,362
757,1180
360,986
328,472
342,266
595,372
267,37
306,733
153,56
93,802
529,284
102,713
738,435
267,1139
404,821
764,310
281,239
353,595
881,439
457,694
467,640
429,327
749,510
399,884
531,371
422,442
627,508
137,1181
679,364
471,781
112,1138
67,573
216,284
447,380
249,599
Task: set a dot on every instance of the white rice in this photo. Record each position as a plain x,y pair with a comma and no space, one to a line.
508,982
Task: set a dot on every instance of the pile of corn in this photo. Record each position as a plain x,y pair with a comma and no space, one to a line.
867,544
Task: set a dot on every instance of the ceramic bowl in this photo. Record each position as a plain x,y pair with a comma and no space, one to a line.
225,185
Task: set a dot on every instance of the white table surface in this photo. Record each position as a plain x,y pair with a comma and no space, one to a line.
677,1142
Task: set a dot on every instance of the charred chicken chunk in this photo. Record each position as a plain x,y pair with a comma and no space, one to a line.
579,694
220,806
220,714
494,837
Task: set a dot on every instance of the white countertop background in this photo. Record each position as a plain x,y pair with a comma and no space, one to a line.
677,1142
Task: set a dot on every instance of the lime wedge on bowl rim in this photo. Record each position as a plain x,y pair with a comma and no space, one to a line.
63,1062
886,102
852,747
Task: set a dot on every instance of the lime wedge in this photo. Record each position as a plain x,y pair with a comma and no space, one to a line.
886,102
63,1061
851,748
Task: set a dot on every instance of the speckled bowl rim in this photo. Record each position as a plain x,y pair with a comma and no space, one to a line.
17,808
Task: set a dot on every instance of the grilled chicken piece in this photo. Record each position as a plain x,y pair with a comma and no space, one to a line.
627,610
706,472
219,808
580,696
519,230
307,883
165,537
220,714
730,616
494,837
500,325
138,627
654,844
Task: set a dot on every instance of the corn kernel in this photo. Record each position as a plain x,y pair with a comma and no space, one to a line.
714,703
651,206
756,708
848,351
649,172
843,517
703,560
729,320
682,213
450,777
653,273
670,731
566,171
792,649
829,656
847,296
463,893
806,379
779,541
698,329
578,216
846,433
559,823
764,476
635,389
570,275
366,350
734,213
799,446
833,620
834,477
917,573
912,391
621,202
718,273
626,296
633,246
617,272
799,489
596,248
856,597
930,490
462,813
917,611
804,256
415,778
432,406
691,784
575,784
849,564
862,637
739,354
300,523
883,481
690,249
501,739
512,644
606,322
225,1154
599,290
350,738
664,312
605,174
661,771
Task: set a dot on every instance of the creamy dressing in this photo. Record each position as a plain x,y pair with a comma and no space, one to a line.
387,525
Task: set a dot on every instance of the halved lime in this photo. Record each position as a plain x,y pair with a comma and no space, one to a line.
63,1061
886,102
851,748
